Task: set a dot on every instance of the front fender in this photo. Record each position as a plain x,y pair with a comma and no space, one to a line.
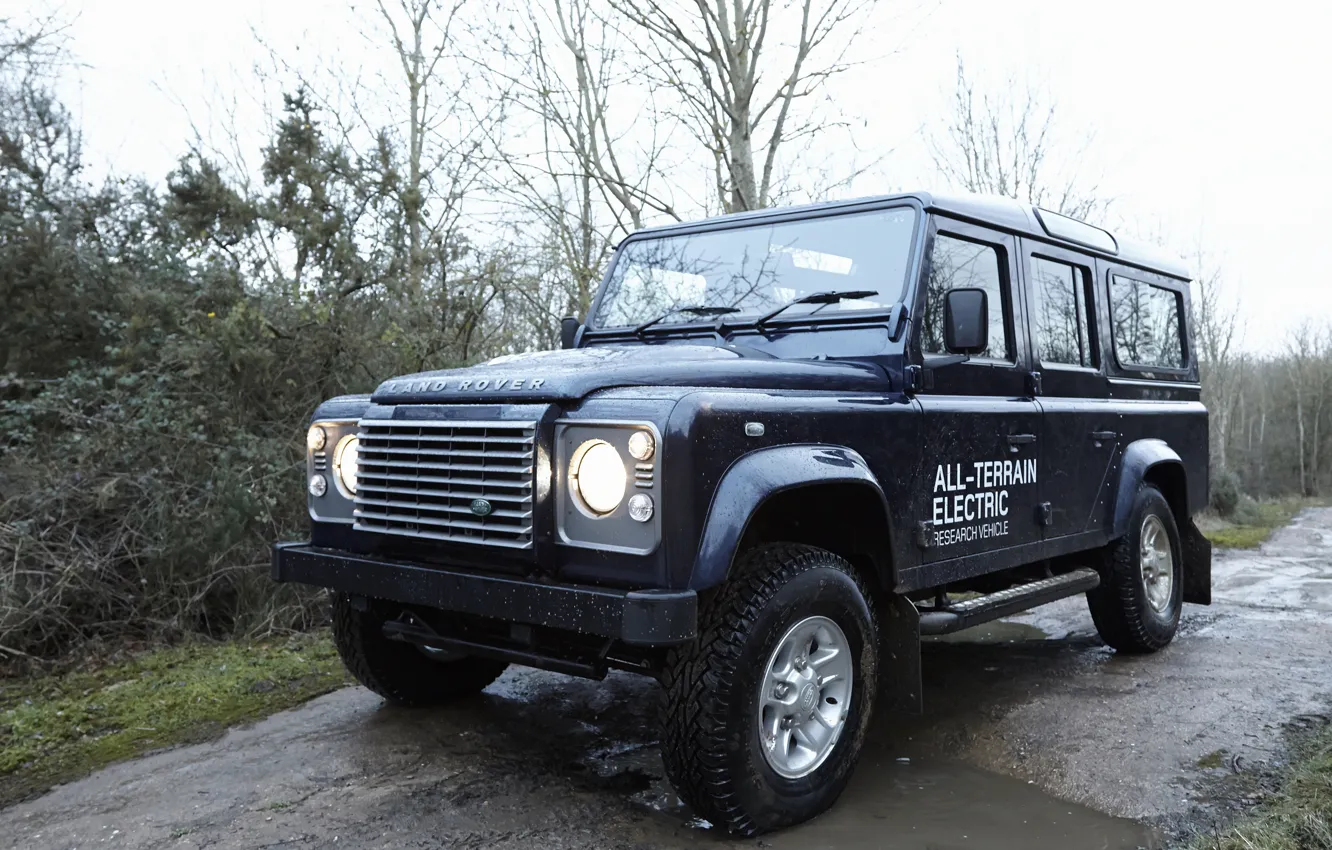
758,476
343,408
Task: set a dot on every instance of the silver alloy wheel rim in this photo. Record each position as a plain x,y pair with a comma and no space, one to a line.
804,697
1157,561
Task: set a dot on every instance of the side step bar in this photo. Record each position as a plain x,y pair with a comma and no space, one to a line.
983,609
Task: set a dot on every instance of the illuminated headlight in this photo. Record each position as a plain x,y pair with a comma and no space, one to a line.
598,477
345,462
315,438
641,445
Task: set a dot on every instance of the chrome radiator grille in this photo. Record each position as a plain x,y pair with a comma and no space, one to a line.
423,479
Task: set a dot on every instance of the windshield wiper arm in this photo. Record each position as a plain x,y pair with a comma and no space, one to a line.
816,298
695,311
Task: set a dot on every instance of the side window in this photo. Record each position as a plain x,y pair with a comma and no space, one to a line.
958,263
1145,321
1059,295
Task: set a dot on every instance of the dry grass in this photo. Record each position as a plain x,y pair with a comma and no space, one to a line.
1299,817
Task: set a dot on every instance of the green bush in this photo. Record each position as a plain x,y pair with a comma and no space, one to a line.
161,352
1248,512
1225,493
140,491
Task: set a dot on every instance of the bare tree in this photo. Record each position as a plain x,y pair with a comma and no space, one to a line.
40,143
422,32
588,182
1217,332
1308,362
1006,142
741,88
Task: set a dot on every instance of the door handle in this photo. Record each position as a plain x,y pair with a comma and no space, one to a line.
1021,439
1098,436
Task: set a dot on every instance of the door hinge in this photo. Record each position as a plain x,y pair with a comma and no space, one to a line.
924,534
1044,514
1034,383
918,379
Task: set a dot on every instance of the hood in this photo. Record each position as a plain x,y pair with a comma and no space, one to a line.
573,374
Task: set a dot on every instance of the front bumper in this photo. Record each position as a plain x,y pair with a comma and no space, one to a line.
640,617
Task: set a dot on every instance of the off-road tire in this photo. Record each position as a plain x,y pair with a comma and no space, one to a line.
397,671
1119,606
710,742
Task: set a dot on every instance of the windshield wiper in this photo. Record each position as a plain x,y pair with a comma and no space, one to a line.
693,311
816,298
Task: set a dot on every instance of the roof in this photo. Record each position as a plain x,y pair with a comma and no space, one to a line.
991,210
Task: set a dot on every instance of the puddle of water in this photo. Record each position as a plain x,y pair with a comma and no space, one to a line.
935,805
940,805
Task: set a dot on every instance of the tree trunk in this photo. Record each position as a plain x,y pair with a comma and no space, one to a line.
412,200
1299,422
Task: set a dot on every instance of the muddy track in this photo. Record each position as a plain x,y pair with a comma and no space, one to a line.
1035,736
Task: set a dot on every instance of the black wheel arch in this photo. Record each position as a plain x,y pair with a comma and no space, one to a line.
1152,462
816,494
826,497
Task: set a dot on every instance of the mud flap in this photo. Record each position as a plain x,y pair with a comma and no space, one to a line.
1197,565
900,687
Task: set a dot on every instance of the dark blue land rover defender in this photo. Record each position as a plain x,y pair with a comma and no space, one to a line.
779,451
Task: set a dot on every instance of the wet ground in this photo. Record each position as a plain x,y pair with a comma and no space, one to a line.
1036,736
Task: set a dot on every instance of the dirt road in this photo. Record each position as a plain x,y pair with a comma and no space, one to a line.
1035,736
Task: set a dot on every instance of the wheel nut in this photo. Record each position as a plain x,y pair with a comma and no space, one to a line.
781,690
787,722
800,663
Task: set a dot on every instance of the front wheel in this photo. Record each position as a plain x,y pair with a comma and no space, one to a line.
765,713
1136,609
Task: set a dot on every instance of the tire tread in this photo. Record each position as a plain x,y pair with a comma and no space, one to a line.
1116,606
695,710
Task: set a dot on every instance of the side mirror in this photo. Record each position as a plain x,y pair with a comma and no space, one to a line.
569,326
966,320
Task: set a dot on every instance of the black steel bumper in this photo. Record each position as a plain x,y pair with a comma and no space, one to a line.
642,617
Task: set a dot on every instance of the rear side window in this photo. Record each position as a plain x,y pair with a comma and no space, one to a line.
956,263
1145,321
1059,291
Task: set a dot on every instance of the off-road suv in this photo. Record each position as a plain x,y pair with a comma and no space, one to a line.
784,446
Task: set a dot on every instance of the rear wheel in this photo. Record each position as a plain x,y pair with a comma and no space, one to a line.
765,713
1136,609
400,672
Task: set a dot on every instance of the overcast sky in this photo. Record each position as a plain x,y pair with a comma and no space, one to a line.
1211,120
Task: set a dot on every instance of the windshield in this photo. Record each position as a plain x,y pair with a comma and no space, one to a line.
758,268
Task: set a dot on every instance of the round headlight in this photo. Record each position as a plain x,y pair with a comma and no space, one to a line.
345,462
641,445
598,476
315,438
318,485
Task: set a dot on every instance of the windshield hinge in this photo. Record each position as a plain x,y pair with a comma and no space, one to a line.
897,321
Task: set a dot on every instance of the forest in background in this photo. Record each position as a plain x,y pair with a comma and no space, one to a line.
163,341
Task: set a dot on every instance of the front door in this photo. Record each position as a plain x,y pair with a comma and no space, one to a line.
1080,435
981,424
